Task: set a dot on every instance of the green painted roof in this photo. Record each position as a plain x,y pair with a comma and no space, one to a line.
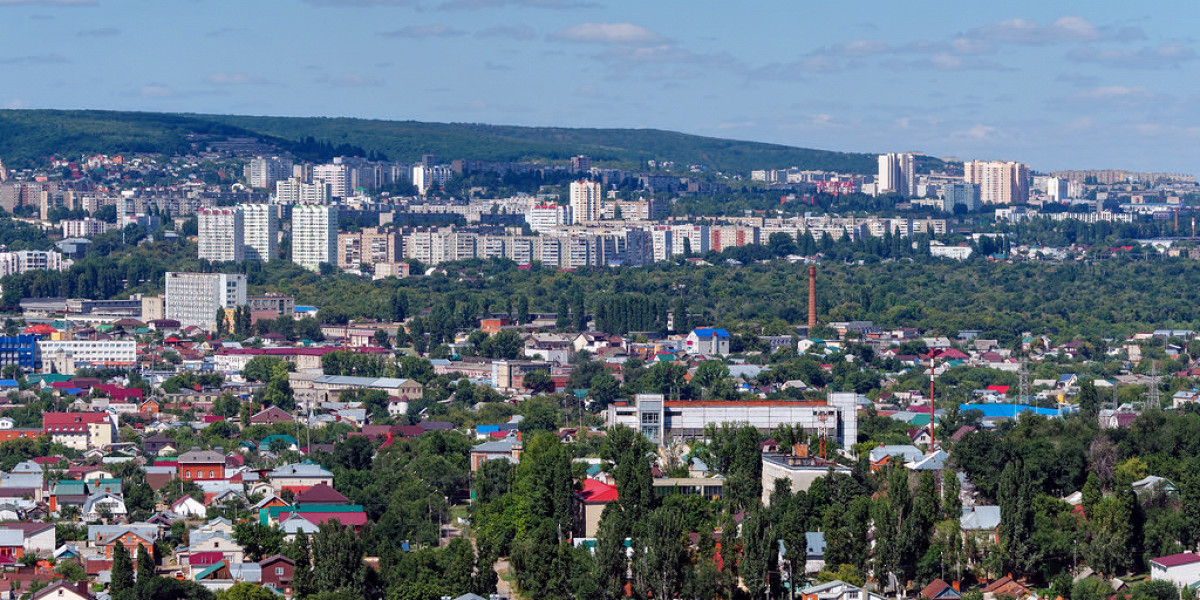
210,570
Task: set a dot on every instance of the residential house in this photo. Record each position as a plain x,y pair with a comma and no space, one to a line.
837,590
814,554
982,522
189,508
80,431
707,341
197,464
270,416
508,449
64,590
104,505
277,571
940,590
1180,569
590,501
298,477
883,455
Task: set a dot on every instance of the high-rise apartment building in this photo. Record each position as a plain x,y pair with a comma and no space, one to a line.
194,298
897,174
221,232
544,218
427,176
585,201
954,194
336,176
999,182
1057,189
370,246
314,235
261,235
264,172
581,164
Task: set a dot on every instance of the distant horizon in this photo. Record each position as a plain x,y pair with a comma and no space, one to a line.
1055,87
949,159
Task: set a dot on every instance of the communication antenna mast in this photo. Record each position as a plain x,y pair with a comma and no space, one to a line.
1154,385
1023,385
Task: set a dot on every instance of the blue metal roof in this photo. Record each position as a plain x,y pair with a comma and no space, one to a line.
710,332
1009,411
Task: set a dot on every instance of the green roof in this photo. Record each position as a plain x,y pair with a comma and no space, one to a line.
266,515
921,419
210,570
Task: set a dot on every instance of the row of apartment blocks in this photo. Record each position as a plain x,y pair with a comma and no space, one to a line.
627,243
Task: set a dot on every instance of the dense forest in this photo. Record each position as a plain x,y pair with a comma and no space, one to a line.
27,137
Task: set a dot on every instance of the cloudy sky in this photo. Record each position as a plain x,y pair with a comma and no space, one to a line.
1058,85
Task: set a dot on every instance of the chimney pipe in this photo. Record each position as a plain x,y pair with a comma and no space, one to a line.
812,298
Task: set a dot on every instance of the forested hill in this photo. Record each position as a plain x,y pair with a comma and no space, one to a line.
28,136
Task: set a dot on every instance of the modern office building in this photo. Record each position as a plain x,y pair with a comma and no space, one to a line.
194,298
999,182
261,237
91,353
897,174
314,235
20,350
585,201
221,232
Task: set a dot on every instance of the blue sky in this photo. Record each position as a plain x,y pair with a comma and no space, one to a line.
1057,85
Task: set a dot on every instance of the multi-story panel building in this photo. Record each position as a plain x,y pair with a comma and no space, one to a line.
84,228
693,239
21,261
336,176
91,353
369,246
999,182
897,174
585,201
314,235
426,176
954,194
273,302
545,218
221,232
264,172
261,231
194,298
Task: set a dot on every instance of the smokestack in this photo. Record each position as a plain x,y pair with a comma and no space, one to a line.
812,298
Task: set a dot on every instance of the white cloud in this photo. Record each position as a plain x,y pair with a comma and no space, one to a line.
607,33
861,48
1022,31
978,132
15,103
479,4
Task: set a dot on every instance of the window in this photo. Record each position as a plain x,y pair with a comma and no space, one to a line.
210,473
279,571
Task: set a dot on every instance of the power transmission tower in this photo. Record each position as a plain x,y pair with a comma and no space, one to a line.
1023,384
1154,401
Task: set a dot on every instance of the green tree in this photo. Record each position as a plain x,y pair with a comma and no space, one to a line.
121,586
661,565
539,382
258,540
244,590
260,368
1089,399
303,585
337,559
755,566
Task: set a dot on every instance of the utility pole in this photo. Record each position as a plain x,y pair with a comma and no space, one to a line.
1154,401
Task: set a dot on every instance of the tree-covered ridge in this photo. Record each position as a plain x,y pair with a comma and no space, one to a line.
27,136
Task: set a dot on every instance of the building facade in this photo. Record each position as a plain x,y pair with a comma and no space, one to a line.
897,174
585,201
999,182
314,235
261,231
194,298
221,232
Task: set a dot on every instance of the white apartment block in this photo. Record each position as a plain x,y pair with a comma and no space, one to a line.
21,261
193,298
261,233
897,174
295,191
84,228
314,235
545,218
586,201
661,242
221,232
264,172
91,353
690,238
999,182
427,176
337,177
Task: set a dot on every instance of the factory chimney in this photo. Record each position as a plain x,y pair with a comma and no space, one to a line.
812,298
